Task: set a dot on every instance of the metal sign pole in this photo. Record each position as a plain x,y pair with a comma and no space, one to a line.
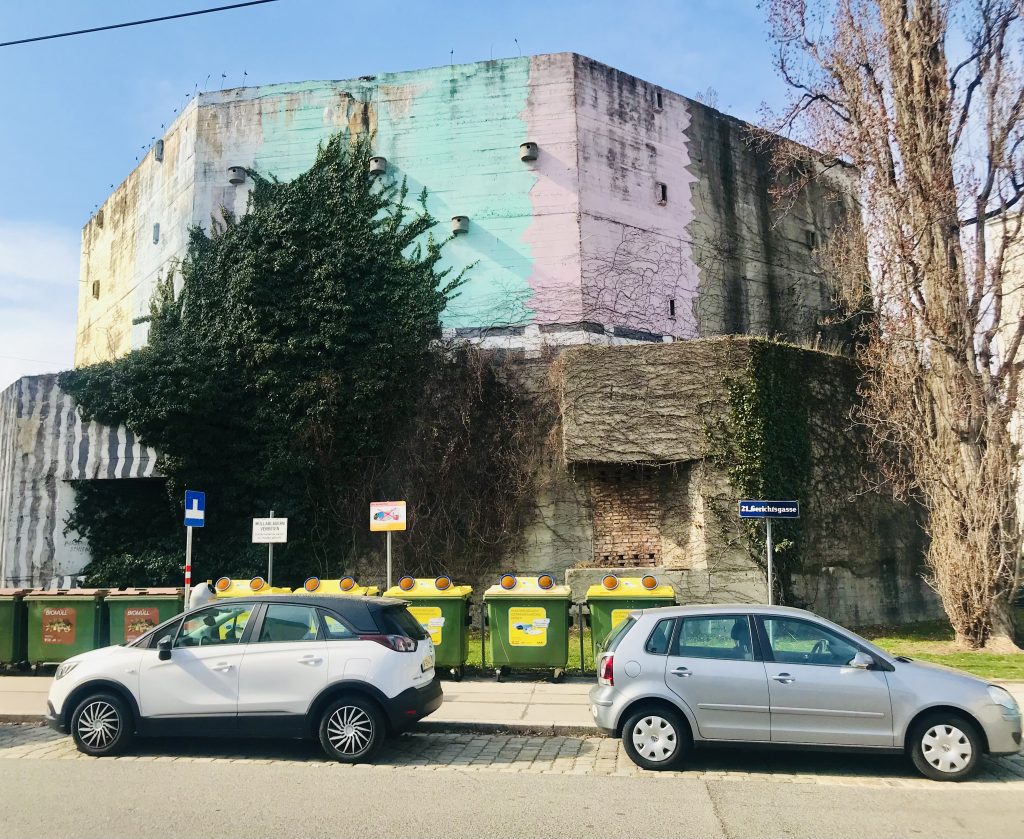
771,564
389,559
188,565
270,560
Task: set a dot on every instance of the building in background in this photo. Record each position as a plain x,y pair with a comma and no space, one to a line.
596,209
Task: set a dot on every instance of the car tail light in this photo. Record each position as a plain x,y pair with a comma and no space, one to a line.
398,643
606,673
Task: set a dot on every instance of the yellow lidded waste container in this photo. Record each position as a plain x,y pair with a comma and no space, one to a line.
528,624
612,599
346,586
442,609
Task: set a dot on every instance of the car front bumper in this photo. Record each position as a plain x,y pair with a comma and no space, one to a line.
53,719
414,704
1002,730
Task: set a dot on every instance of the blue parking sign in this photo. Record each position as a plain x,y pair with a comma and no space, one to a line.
195,508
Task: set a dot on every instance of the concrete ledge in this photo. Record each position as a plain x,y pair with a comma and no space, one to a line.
23,719
517,728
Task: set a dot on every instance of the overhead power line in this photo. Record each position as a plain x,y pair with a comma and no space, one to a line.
134,23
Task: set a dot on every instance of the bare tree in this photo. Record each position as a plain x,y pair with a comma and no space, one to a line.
925,99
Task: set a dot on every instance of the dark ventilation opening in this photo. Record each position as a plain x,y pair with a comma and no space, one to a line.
661,192
96,289
671,308
657,100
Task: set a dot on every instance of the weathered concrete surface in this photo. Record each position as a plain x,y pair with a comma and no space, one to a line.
639,417
574,247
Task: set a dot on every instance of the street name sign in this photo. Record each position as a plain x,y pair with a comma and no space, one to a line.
269,531
750,509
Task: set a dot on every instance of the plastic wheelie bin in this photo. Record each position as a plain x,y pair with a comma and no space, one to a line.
528,624
12,625
64,623
135,611
442,609
611,600
345,586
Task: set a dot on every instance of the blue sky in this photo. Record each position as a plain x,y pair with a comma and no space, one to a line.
75,113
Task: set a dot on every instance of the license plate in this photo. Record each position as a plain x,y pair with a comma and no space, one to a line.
427,663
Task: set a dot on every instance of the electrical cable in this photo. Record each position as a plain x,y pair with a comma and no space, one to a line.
134,23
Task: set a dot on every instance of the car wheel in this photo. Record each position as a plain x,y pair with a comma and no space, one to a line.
351,729
946,747
655,739
101,725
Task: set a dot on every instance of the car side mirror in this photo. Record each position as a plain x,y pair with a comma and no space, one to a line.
164,646
862,661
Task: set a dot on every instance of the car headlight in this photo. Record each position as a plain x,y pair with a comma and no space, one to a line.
1003,697
68,666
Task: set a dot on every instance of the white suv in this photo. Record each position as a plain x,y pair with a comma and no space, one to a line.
348,670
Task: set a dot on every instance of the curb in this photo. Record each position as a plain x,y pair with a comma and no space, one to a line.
519,729
23,719
423,727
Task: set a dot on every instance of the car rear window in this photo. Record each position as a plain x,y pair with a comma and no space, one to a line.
398,621
616,635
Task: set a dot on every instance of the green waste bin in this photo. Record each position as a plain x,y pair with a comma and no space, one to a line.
12,625
611,600
442,609
528,624
135,611
64,623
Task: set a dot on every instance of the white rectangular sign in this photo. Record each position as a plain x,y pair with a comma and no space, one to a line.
387,515
265,531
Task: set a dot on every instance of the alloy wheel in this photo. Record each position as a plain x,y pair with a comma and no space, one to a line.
655,738
946,748
99,724
350,730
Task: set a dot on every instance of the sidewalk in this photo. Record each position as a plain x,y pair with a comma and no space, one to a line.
481,705
478,705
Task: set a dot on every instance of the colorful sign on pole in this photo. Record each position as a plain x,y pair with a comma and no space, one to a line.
387,515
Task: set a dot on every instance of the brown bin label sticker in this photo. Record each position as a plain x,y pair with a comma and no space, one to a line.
139,620
59,625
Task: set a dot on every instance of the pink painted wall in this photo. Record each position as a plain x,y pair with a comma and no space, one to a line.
636,254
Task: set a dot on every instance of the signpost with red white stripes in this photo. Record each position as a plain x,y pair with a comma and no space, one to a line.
195,516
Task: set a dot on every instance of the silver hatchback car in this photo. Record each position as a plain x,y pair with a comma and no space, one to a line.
680,676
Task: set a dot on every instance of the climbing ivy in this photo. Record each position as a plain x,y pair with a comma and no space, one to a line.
764,446
286,354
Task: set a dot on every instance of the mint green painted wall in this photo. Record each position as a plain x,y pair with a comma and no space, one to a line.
454,130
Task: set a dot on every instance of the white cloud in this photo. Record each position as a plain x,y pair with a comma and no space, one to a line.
38,298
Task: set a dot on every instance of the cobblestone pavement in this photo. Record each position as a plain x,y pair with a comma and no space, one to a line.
597,756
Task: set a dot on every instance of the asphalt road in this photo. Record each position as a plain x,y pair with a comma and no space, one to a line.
254,797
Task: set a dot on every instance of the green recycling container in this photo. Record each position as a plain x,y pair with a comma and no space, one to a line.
12,625
64,623
442,609
135,611
528,624
611,600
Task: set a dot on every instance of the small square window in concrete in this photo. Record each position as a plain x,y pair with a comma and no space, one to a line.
658,103
95,289
811,237
661,193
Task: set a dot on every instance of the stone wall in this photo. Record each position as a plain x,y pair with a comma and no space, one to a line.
862,551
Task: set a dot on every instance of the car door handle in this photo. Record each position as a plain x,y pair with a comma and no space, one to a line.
310,659
222,667
784,678
682,671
